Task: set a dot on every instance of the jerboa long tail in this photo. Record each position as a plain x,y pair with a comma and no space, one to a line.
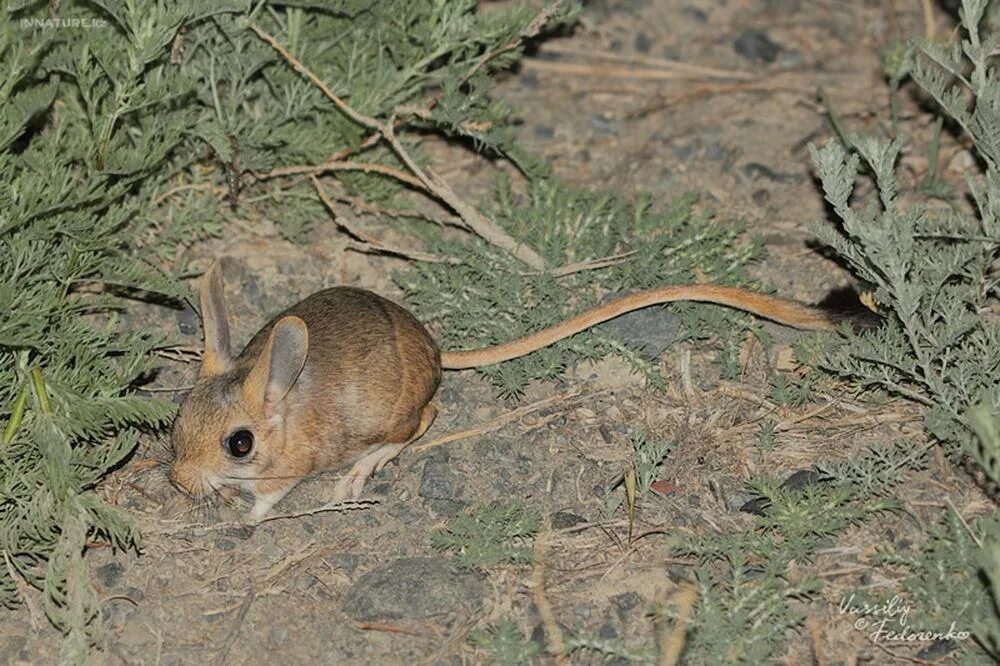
782,310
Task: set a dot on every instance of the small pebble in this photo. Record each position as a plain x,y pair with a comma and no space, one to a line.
187,321
756,46
438,480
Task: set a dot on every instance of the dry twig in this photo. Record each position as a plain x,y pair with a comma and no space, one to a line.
222,656
677,67
371,244
554,635
430,181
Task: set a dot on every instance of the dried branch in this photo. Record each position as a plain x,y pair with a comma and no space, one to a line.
431,182
369,243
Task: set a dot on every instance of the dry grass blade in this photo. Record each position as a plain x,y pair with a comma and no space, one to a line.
677,67
553,633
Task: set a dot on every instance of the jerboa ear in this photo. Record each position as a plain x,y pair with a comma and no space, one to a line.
217,357
278,366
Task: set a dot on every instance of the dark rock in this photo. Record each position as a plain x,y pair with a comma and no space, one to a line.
697,14
242,532
758,170
110,574
563,519
716,152
756,46
643,43
608,631
346,561
446,508
544,132
625,602
757,506
683,151
378,489
252,294
648,332
438,479
801,479
936,650
415,589
188,322
796,481
678,574
603,126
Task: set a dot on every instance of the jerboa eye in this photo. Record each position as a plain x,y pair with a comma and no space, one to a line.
240,443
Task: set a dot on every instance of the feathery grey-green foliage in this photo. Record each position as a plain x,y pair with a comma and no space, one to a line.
70,166
932,268
505,643
745,606
942,579
489,297
490,535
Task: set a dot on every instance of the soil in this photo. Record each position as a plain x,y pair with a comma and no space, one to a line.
615,103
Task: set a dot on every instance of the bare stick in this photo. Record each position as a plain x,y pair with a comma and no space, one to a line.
929,23
220,658
815,640
371,244
482,226
665,64
606,71
334,165
554,635
532,29
591,264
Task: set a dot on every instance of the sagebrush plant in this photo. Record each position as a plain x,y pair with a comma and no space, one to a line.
747,600
66,366
932,268
132,131
505,643
942,583
648,456
594,244
490,535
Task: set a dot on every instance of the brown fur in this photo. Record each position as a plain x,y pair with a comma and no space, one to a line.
346,375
